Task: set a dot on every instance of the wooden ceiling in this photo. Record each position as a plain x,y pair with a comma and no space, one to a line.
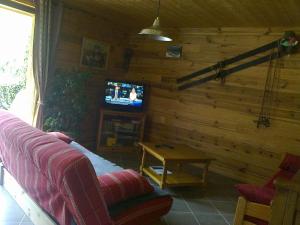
136,14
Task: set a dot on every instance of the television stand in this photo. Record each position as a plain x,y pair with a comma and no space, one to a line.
119,130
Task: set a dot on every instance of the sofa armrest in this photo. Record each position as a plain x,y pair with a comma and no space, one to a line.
122,185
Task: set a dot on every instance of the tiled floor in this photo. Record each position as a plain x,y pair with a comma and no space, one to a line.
10,212
210,205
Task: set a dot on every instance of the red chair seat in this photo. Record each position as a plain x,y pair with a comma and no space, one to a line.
262,195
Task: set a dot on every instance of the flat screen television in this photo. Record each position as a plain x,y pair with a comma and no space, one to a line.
123,95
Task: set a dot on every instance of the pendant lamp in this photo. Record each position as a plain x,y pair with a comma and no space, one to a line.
154,32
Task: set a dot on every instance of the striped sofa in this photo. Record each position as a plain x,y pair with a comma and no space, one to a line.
65,179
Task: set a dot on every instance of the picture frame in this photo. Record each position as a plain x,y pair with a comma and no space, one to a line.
174,51
94,54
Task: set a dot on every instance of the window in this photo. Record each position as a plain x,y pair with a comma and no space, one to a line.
16,82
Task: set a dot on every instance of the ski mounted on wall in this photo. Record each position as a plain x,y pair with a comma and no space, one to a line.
285,45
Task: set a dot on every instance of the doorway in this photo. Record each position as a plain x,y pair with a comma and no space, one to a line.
16,80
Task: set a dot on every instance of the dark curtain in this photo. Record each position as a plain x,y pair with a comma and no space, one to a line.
48,19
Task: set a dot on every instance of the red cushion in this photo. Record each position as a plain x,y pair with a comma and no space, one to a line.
62,137
262,195
290,163
122,185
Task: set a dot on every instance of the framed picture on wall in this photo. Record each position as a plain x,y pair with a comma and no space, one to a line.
94,54
174,52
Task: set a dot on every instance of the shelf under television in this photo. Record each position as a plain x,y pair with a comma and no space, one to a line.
130,136
122,113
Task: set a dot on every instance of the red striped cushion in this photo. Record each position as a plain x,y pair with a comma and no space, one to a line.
122,185
61,136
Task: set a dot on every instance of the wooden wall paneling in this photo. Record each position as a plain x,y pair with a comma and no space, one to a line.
216,119
76,25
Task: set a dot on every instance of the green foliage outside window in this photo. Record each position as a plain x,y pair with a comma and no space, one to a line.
66,102
12,80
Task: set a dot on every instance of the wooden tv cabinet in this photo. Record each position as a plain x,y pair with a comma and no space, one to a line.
119,131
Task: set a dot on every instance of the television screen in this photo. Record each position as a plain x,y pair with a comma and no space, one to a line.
123,95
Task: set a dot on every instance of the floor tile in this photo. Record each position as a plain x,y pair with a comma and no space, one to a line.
180,205
26,219
201,206
8,223
210,219
162,222
229,218
180,218
221,194
10,212
11,216
225,207
190,192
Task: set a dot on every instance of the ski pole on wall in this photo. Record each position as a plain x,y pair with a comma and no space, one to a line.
285,45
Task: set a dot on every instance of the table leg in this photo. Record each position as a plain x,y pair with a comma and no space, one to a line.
1,173
164,176
143,161
179,167
205,171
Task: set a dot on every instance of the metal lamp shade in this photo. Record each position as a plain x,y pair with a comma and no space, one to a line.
154,32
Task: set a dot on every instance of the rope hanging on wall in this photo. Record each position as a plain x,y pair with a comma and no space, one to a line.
270,92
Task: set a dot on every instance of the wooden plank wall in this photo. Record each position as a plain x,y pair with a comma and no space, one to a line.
220,119
76,25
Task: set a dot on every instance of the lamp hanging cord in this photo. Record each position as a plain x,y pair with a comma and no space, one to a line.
158,8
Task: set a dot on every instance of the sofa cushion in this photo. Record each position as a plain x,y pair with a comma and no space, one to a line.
122,185
262,195
101,165
61,136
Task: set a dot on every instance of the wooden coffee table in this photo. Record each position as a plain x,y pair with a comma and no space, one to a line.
173,155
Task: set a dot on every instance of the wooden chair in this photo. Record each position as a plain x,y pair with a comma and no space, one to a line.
246,208
253,206
284,209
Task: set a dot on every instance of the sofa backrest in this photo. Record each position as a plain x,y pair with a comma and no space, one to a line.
60,179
